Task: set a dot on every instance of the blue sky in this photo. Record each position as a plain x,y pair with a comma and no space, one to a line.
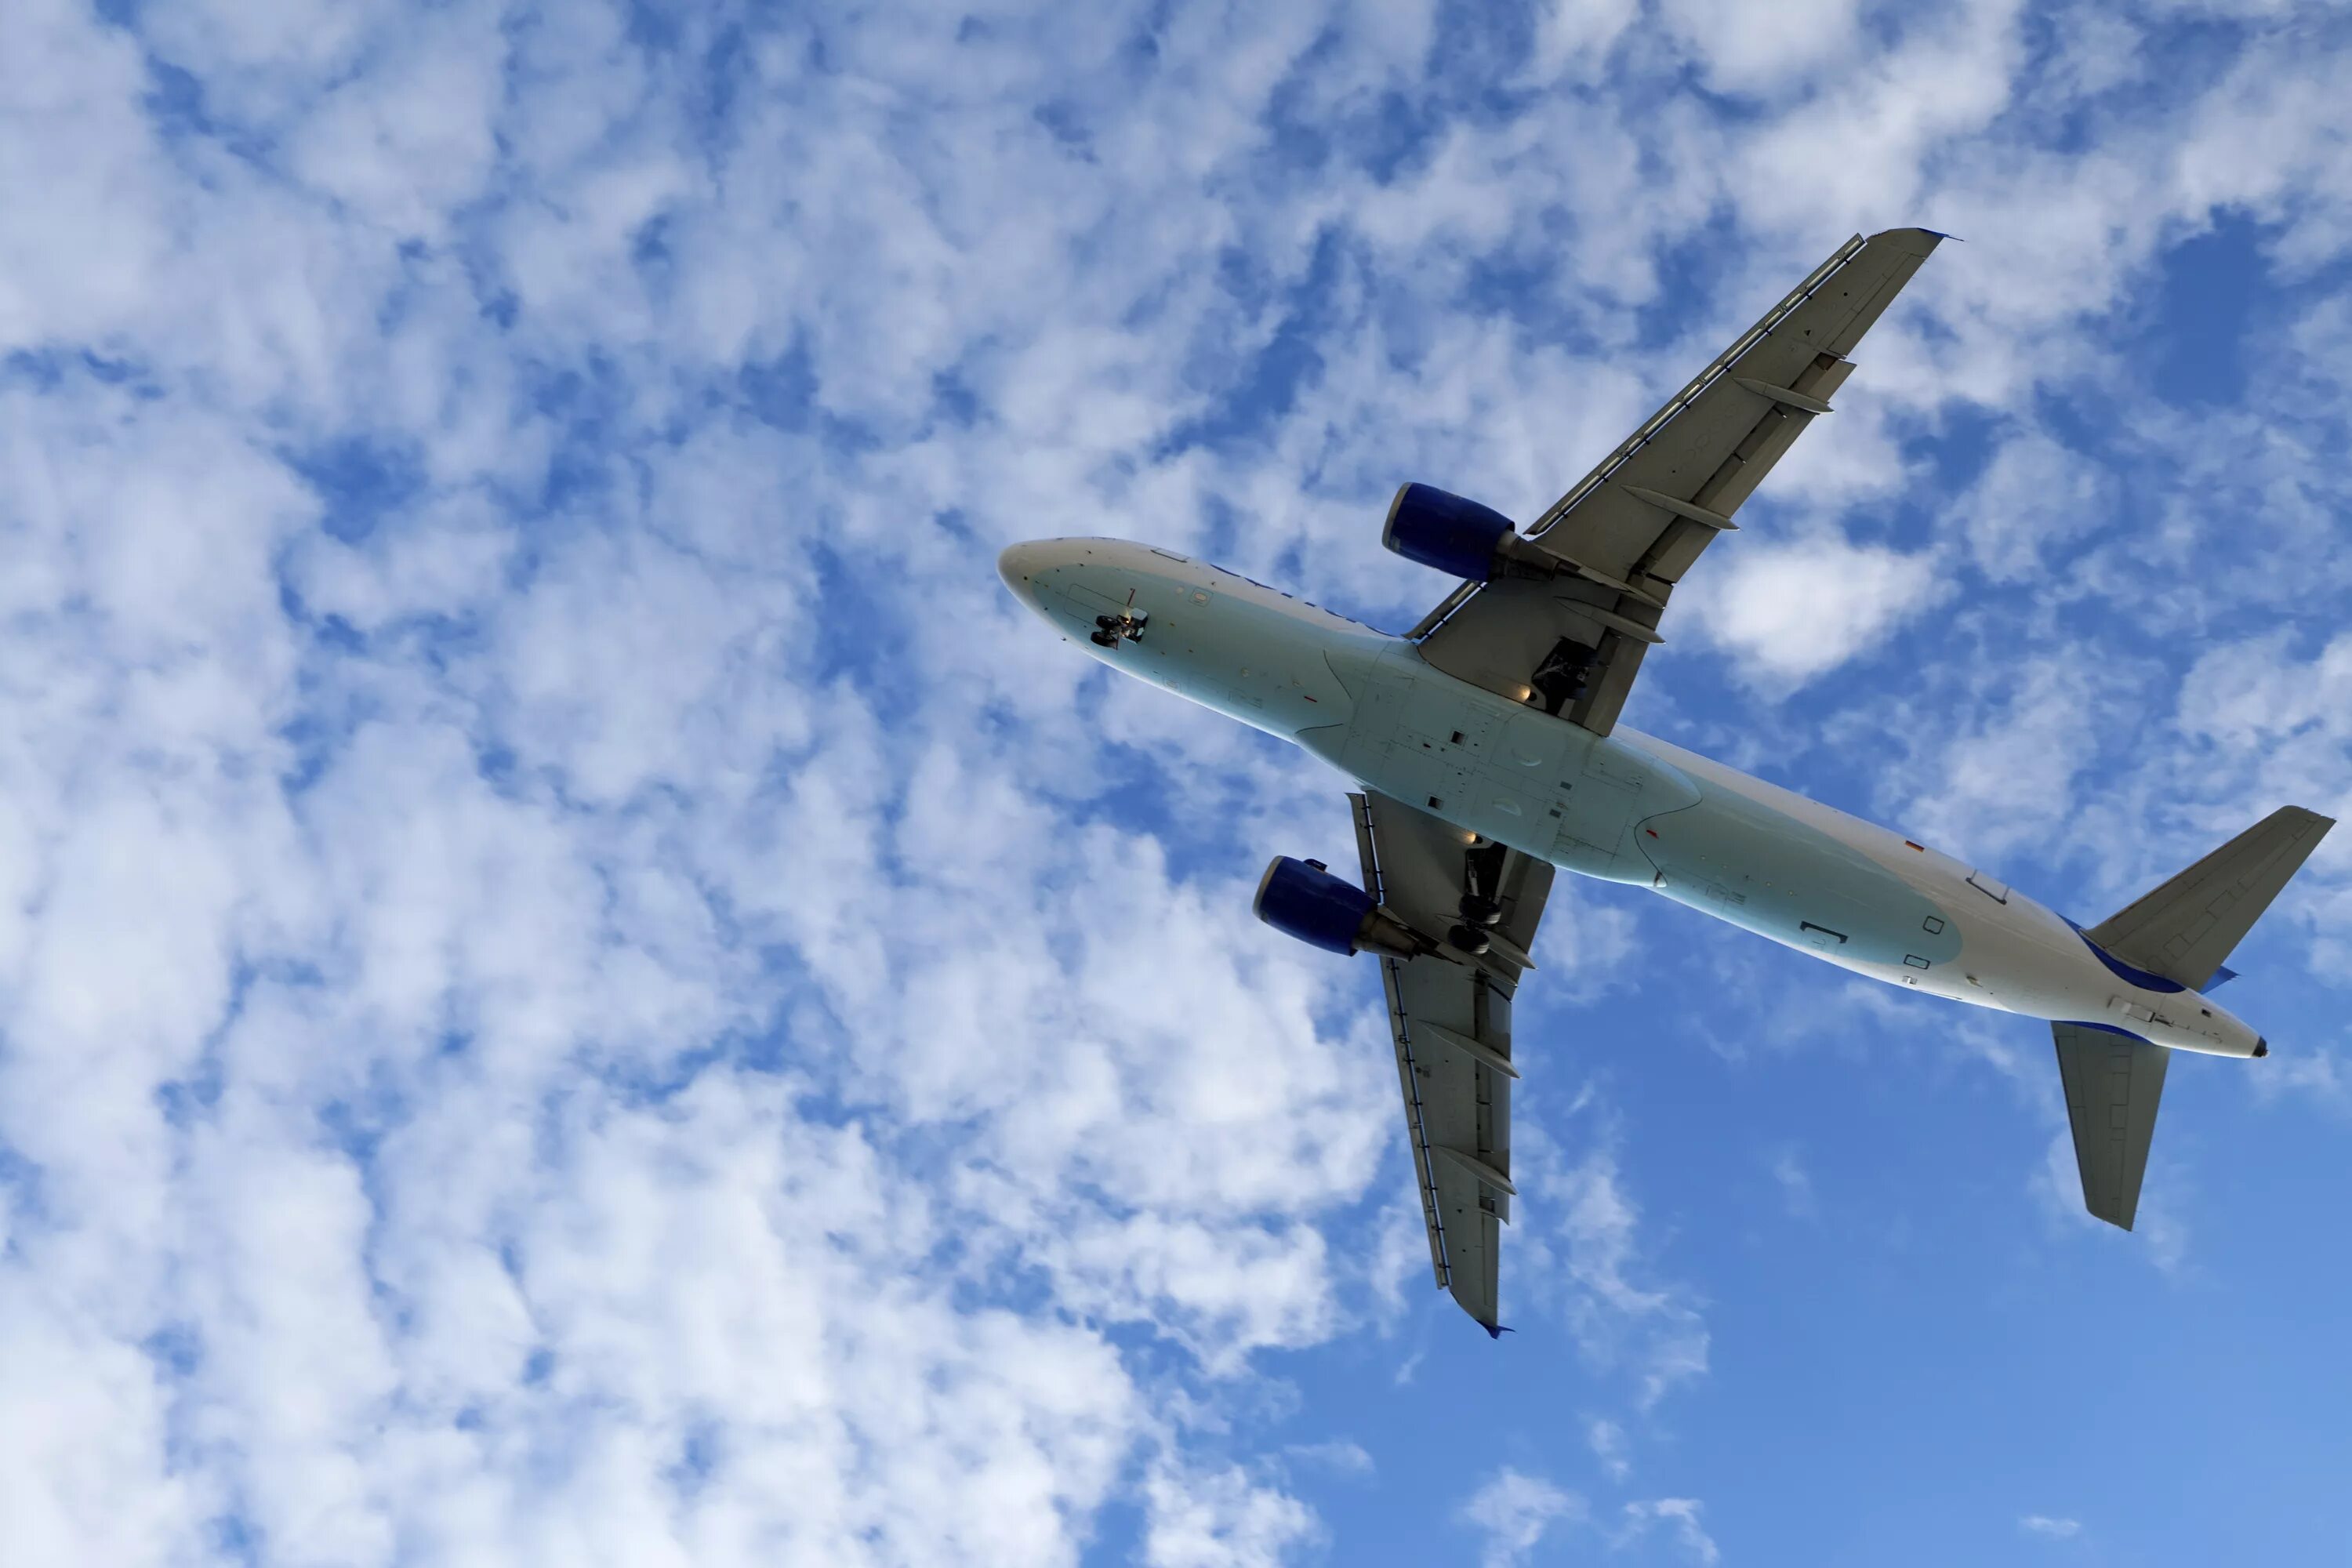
578,984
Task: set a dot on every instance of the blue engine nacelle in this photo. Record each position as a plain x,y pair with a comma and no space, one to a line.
1458,537
1302,898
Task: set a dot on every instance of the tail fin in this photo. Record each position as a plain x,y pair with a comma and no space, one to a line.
2181,931
2184,929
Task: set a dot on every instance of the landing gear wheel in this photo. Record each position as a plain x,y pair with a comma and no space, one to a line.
1469,939
1112,630
1480,911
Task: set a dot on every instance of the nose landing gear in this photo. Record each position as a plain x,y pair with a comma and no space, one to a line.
1125,626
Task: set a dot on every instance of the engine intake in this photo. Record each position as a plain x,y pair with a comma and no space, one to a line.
1458,537
1302,898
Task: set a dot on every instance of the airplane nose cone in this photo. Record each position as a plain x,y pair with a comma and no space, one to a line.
1019,565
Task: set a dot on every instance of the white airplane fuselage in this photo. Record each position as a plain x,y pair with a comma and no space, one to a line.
1625,807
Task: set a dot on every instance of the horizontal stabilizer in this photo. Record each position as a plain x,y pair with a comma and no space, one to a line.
2112,1081
2186,927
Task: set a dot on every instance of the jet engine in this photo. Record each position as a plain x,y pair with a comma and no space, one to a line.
1302,898
1461,538
1457,536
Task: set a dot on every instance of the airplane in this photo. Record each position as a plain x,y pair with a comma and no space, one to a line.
1488,753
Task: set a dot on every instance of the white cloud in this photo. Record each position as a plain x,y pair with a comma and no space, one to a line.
2314,1076
1584,945
1680,1515
2055,1529
2011,776
2034,494
1219,1520
1744,49
1573,37
1339,1455
1607,1441
85,1420
2259,703
1795,1182
1787,614
1514,1511
618,1003
1654,1330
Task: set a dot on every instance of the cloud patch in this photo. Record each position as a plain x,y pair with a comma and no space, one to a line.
2050,1528
1786,614
573,981
1513,1512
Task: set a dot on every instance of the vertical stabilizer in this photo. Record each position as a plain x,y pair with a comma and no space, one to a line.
2185,929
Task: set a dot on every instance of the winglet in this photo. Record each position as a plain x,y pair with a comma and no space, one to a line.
1495,1330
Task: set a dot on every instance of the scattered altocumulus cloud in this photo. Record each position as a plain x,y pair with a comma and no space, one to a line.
1679,1516
1786,614
574,981
1513,1511
2033,498
1607,1440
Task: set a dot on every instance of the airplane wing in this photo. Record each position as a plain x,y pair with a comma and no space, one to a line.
1451,1024
1635,524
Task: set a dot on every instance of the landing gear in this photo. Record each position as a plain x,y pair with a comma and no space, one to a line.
1564,675
1482,909
1112,630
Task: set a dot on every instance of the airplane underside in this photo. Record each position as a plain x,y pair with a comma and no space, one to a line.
1487,745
